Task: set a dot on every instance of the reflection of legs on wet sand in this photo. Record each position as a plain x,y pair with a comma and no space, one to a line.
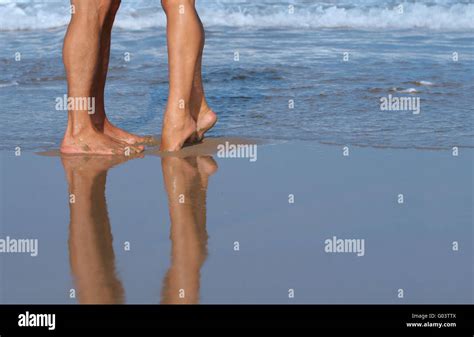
186,184
90,239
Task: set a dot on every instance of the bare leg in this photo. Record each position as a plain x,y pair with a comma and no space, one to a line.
100,120
181,283
186,178
81,55
204,117
91,251
184,41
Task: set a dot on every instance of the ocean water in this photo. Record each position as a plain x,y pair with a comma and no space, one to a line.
291,79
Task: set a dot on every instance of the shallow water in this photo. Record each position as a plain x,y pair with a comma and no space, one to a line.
282,57
281,245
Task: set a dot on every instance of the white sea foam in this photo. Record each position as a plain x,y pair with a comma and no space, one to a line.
425,83
408,91
139,14
9,84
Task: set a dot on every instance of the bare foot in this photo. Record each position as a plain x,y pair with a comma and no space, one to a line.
90,165
205,121
91,141
202,114
207,165
177,129
112,131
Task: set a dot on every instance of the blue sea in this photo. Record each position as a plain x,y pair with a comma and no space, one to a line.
273,69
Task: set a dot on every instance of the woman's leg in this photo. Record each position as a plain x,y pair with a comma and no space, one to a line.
186,184
202,114
81,56
184,43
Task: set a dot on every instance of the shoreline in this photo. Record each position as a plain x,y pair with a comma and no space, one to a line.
209,146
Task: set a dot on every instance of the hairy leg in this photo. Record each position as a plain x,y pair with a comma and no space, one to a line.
99,119
91,252
81,55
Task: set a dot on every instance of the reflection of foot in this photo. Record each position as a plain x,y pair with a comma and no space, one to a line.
91,166
112,131
179,174
91,141
207,166
177,128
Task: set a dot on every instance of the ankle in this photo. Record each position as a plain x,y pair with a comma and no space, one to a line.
99,120
79,130
177,114
198,107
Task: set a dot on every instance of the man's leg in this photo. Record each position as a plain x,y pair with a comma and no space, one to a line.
91,252
100,119
184,39
81,56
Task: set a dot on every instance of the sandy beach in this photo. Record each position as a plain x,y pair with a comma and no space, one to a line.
200,228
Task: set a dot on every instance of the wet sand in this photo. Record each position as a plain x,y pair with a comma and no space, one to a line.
165,229
208,146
